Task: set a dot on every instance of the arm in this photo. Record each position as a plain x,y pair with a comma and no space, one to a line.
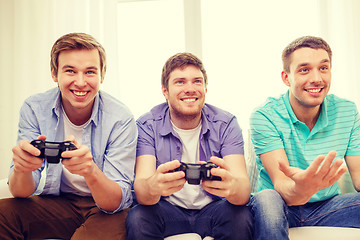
106,193
151,183
354,169
297,186
21,180
235,184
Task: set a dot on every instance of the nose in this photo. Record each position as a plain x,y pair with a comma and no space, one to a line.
316,77
189,87
80,80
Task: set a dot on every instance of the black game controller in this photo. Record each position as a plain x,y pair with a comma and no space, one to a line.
52,150
196,172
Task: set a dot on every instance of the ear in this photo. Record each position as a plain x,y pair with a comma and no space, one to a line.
54,77
102,78
165,92
285,78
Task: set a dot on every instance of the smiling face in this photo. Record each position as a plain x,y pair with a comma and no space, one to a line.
79,80
309,79
186,96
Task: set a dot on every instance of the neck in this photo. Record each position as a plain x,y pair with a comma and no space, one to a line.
309,116
185,122
78,116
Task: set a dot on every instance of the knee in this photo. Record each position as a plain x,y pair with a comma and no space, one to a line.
268,203
139,214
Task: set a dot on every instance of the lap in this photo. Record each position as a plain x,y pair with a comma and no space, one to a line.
61,217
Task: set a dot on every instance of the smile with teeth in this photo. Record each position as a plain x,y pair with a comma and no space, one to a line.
78,93
189,100
314,90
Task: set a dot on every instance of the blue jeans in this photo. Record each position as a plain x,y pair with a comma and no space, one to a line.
218,219
273,218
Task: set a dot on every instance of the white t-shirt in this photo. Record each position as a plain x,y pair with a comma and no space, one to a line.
190,196
73,183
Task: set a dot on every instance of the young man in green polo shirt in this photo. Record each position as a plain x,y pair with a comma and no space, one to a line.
300,140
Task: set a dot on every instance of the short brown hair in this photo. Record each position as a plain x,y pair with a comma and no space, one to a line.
180,60
303,42
73,41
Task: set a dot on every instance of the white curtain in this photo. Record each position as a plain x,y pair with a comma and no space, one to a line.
341,22
28,29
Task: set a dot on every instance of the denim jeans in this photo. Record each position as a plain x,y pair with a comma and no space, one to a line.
273,218
219,219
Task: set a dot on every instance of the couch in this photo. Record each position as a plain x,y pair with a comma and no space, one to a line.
299,233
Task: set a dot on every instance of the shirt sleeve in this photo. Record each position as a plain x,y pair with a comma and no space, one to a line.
28,129
146,140
233,142
264,133
354,141
119,159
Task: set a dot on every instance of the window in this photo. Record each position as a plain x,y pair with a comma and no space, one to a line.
149,33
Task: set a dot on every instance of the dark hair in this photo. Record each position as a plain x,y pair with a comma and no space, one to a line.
180,60
74,41
302,42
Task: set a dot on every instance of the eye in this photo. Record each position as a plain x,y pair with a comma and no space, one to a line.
303,70
69,71
324,68
90,72
179,82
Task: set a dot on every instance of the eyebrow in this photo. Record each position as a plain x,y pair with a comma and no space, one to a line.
306,64
90,67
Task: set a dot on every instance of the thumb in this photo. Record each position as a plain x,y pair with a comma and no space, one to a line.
287,170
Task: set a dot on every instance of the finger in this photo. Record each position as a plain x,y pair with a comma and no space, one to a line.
219,172
166,167
81,151
216,191
218,161
325,167
336,168
337,176
287,170
26,149
314,166
171,176
173,188
41,137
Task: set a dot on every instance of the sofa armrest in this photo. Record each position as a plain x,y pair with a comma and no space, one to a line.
4,189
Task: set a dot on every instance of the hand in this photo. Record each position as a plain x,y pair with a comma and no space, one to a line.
315,177
165,183
79,161
226,186
25,156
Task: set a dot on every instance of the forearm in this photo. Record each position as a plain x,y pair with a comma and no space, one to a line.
106,193
145,194
21,184
240,195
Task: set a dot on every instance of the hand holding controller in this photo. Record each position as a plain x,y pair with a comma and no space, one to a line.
196,172
52,150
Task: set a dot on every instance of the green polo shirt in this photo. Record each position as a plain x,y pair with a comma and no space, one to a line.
275,126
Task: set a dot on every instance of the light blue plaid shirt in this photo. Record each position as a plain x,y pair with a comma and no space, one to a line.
111,135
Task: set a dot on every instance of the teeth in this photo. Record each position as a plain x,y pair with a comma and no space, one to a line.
189,100
314,90
79,93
